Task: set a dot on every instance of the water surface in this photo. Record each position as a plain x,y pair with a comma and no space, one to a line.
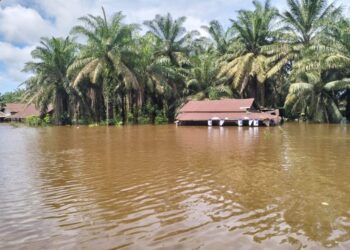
167,187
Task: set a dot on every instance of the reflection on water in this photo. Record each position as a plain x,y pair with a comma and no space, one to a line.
175,187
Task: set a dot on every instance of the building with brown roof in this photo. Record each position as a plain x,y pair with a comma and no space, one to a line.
21,111
226,112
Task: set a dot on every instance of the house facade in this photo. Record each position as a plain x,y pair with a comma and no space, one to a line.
19,111
237,112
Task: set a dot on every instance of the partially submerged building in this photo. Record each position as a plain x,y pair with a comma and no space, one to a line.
239,112
2,116
20,111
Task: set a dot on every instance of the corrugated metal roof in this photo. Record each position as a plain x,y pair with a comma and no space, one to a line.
2,115
23,111
225,116
28,111
226,105
15,107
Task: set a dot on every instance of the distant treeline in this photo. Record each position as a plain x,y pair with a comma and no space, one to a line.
298,59
11,97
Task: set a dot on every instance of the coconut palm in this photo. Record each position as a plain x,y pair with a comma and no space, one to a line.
106,58
248,67
49,85
204,83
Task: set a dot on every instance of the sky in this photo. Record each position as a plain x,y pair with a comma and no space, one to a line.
24,22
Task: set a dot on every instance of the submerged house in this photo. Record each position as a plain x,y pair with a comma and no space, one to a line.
238,112
2,116
21,111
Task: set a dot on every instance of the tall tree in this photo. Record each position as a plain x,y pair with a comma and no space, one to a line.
105,60
221,37
247,67
203,81
305,18
303,24
173,44
49,85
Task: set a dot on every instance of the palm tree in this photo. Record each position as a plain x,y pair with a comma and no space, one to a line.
303,24
220,37
336,41
305,18
248,67
153,73
173,45
49,85
313,95
105,60
328,59
204,83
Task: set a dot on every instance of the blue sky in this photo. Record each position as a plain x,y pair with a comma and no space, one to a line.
23,22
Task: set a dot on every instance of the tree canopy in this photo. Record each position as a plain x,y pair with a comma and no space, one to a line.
142,73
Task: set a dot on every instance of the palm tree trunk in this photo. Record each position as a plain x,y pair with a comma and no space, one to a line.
171,110
262,94
123,113
348,104
61,107
58,111
107,109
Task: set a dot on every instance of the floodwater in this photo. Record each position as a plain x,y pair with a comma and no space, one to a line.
168,187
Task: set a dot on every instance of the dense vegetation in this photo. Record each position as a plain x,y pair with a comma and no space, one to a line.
10,97
299,59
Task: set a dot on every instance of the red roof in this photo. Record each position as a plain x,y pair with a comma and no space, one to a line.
226,105
225,116
22,110
227,109
26,111
15,107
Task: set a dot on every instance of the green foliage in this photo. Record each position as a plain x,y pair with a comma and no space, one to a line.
50,84
36,121
11,97
119,76
161,119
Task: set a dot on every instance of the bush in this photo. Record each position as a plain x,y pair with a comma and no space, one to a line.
37,121
47,119
161,119
34,121
144,120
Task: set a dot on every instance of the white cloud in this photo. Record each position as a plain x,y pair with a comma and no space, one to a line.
65,13
14,59
25,21
22,25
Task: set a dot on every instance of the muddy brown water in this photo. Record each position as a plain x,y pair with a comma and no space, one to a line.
168,187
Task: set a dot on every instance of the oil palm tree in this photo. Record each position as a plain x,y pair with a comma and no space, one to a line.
328,59
106,58
221,37
49,84
173,45
204,83
153,73
305,18
334,45
247,66
313,95
303,24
